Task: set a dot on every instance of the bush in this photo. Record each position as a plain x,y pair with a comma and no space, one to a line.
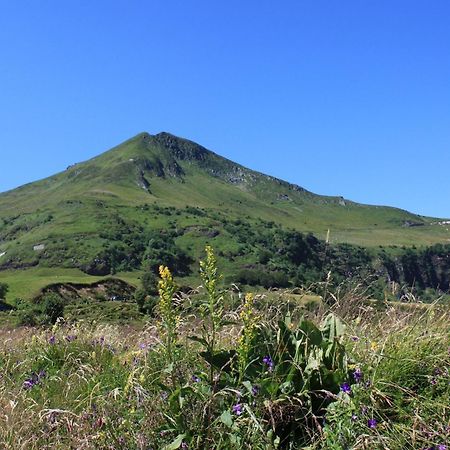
46,310
4,288
146,303
257,277
145,296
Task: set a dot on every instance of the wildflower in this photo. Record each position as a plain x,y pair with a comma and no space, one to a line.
373,346
164,395
34,379
354,417
345,387
51,340
28,384
142,345
372,423
355,338
255,390
248,333
70,338
237,409
99,341
169,318
433,381
184,445
195,379
267,360
364,409
442,447
357,375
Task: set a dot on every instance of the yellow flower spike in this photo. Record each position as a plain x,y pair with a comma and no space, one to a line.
169,320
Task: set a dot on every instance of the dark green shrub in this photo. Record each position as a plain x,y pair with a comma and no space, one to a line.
46,310
146,303
52,307
4,288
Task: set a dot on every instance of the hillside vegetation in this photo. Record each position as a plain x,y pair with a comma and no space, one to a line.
160,199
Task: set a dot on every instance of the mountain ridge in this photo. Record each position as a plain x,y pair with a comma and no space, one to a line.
189,151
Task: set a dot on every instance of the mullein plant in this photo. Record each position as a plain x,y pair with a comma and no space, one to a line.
211,308
169,319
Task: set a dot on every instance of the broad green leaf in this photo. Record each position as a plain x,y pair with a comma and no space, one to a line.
199,340
226,419
176,443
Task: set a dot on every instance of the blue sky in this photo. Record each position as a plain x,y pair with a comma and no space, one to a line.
344,98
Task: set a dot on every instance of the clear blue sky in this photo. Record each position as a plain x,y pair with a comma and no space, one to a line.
344,98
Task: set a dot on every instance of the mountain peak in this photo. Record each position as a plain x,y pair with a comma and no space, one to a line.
182,148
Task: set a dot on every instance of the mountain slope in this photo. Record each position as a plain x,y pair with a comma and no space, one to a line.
154,182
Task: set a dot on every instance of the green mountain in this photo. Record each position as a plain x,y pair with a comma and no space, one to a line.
121,202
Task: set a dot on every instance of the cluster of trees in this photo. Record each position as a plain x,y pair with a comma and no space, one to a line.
261,277
129,246
304,259
275,257
421,268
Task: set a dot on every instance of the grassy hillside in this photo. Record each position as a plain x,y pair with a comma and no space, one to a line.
162,182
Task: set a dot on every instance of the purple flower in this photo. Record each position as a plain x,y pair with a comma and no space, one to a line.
99,341
355,338
237,409
28,384
195,379
442,447
184,445
142,345
267,360
354,417
34,379
357,375
164,395
364,409
255,390
51,340
372,423
70,338
345,387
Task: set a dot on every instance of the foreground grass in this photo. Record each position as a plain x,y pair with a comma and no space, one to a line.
97,386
